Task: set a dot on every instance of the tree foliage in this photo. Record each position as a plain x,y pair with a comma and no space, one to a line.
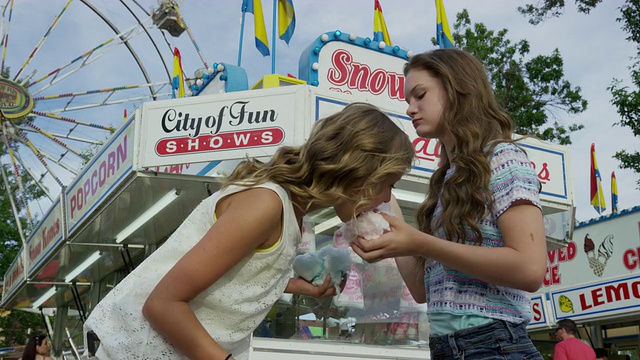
15,323
546,9
626,99
532,89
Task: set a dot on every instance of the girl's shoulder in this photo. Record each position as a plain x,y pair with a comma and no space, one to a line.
507,151
506,146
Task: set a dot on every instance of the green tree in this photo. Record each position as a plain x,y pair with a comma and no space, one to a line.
532,89
553,8
626,99
14,323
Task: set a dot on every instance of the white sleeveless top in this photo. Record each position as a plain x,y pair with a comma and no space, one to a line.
229,310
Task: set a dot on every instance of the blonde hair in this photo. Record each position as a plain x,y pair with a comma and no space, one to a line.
477,124
346,157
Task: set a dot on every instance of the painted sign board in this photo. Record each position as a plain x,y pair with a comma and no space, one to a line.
599,251
604,299
361,73
538,310
550,161
598,273
221,127
46,237
14,277
100,177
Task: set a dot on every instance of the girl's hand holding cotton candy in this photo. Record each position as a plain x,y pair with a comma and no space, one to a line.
368,225
316,266
399,241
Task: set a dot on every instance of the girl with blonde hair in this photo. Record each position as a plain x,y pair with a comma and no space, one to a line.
204,291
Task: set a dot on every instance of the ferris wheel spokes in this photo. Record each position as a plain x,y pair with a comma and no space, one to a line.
52,138
17,174
64,136
90,56
42,40
109,92
5,35
35,178
22,138
70,120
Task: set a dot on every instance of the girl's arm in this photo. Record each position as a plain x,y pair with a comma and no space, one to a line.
245,221
520,264
410,269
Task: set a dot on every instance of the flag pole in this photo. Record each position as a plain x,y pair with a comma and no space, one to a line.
273,35
244,15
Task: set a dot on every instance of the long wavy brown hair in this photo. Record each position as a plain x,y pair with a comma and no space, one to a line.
346,157
477,124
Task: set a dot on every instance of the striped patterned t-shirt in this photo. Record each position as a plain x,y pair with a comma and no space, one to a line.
454,293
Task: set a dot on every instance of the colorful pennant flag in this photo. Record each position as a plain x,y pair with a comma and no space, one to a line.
177,84
260,30
597,195
443,33
614,193
286,20
380,32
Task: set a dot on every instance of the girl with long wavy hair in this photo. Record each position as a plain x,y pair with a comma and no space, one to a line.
205,290
480,240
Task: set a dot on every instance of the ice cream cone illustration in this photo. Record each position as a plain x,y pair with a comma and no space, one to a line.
598,261
605,250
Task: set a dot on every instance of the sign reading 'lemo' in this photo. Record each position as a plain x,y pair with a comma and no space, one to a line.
215,128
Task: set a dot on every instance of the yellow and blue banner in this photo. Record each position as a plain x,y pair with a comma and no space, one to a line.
286,20
443,34
177,83
260,30
380,32
597,195
614,193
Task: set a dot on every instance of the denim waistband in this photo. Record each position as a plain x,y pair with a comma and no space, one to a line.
460,340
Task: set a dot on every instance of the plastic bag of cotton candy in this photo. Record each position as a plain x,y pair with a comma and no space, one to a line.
369,225
317,265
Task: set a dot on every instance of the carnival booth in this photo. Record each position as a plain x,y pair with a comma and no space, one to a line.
169,156
595,281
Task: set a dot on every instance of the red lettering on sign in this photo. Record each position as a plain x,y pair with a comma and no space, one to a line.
359,76
631,259
219,142
610,294
537,311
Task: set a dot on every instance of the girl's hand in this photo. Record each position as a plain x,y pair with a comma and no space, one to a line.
300,286
400,241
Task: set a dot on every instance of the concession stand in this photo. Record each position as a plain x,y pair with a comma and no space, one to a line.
171,154
595,281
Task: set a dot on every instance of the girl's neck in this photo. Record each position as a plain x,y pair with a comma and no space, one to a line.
301,208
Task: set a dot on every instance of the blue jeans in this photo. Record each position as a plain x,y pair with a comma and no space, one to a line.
497,340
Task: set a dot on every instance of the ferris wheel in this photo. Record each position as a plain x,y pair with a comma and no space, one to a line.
71,71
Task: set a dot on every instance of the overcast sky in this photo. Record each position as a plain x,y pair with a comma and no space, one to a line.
593,47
